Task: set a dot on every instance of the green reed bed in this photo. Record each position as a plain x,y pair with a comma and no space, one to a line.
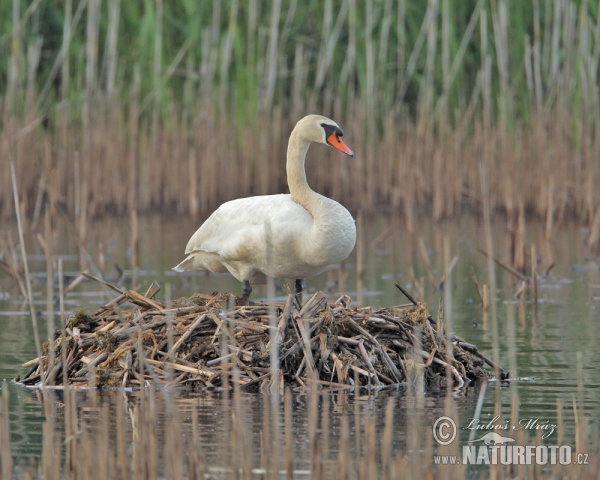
124,108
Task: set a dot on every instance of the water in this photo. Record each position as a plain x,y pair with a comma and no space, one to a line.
548,335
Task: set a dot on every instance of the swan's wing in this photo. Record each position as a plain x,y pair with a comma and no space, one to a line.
236,230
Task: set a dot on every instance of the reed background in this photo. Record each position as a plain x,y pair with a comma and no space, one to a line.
112,107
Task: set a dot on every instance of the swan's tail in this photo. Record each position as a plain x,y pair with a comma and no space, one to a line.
199,260
187,265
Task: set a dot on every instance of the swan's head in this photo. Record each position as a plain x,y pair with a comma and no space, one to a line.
317,128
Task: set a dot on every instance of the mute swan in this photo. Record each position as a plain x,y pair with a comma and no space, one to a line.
292,236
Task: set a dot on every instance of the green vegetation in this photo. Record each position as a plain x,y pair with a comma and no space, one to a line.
82,318
114,106
392,56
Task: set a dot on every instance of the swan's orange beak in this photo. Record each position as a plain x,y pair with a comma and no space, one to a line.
335,140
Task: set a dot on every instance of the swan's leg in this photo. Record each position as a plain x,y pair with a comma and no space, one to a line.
300,286
246,291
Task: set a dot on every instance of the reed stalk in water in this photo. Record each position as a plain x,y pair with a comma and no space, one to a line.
332,435
17,204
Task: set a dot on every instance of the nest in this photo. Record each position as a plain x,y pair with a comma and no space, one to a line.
211,341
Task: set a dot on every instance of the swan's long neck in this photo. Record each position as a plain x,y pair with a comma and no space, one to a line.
296,173
332,236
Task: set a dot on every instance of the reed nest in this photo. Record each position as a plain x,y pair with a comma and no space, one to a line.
213,341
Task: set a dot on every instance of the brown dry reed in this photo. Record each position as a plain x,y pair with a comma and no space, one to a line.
185,132
195,342
124,439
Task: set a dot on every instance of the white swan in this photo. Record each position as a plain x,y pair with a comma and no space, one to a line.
291,236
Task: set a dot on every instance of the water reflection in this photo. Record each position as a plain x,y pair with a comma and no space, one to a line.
208,421
547,335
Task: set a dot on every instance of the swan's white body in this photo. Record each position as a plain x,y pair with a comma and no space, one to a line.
291,236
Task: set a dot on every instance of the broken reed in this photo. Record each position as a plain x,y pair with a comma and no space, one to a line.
193,343
163,117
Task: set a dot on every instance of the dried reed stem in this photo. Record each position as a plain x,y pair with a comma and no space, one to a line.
36,332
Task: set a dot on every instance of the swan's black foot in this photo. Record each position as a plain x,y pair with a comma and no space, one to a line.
246,291
300,286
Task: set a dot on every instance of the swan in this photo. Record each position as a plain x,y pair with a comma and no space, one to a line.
296,235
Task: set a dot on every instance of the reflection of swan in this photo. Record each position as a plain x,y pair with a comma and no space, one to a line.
492,438
292,236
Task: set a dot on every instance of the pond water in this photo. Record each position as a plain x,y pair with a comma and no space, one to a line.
556,340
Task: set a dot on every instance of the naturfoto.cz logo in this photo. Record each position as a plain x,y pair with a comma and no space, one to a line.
494,449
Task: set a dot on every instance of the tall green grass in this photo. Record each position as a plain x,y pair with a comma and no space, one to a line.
420,87
390,55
